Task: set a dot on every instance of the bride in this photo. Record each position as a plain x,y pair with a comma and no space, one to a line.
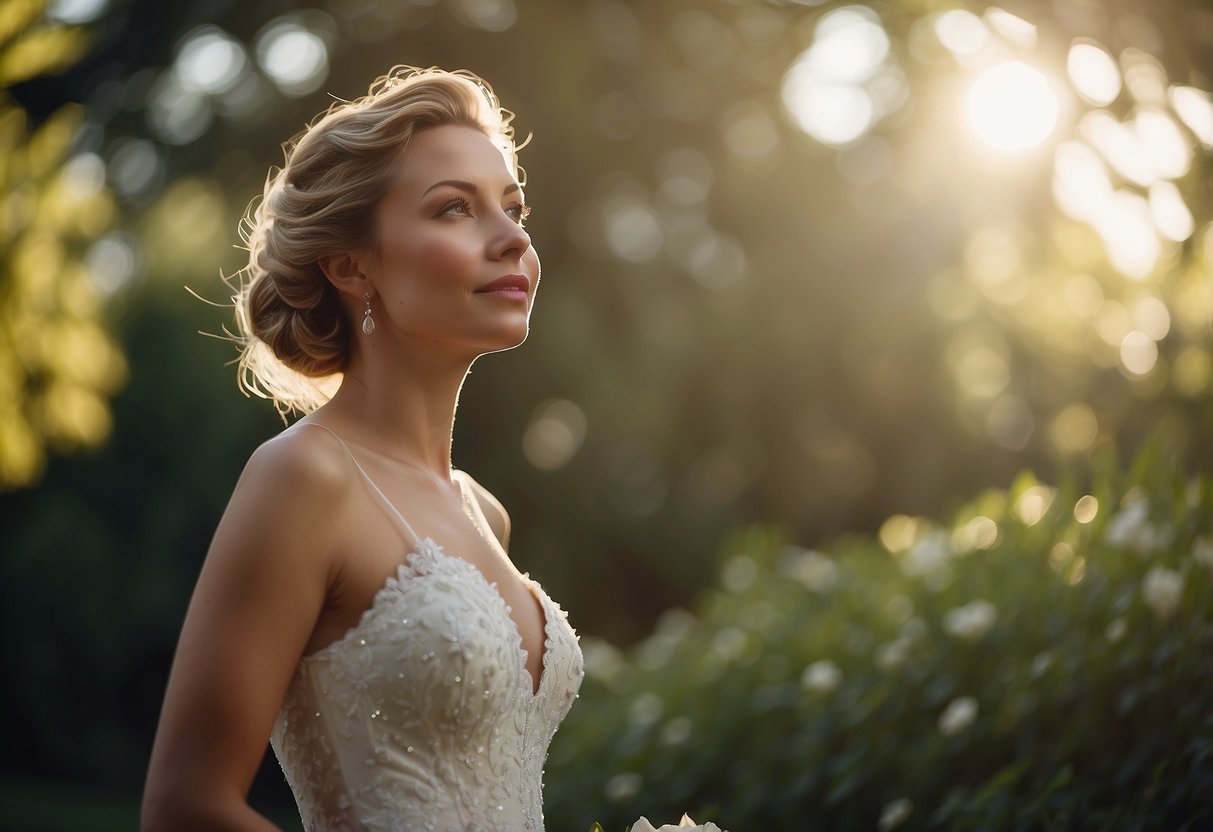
357,608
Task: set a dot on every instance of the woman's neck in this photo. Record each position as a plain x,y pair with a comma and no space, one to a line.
406,413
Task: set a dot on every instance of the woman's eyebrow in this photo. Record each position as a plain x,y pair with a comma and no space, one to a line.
468,186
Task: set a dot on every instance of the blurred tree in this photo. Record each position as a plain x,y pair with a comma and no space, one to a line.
789,277
57,362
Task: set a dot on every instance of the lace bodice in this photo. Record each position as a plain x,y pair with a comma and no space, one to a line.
423,715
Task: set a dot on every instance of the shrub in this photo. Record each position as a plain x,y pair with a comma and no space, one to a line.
1041,660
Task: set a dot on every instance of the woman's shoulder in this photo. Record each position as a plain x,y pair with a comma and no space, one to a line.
311,460
481,492
494,511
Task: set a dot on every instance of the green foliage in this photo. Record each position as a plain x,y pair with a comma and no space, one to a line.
58,363
30,46
100,560
1012,667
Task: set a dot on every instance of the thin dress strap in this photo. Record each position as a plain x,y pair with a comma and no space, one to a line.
367,477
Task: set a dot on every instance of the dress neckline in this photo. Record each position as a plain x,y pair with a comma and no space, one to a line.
532,687
431,549
530,585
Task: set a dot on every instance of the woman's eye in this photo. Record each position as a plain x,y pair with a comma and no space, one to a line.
457,206
519,212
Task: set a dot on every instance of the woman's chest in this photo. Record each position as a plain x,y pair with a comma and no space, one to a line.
360,576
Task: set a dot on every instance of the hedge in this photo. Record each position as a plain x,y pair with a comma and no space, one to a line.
1042,659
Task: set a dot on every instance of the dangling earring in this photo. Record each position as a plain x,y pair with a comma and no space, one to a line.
368,323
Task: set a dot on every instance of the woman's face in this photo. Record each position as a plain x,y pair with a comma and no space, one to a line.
450,225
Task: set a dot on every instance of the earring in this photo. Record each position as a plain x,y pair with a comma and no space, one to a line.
368,323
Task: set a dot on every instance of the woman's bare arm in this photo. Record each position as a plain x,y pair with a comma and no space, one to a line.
259,593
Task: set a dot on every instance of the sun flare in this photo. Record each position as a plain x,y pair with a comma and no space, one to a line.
1011,106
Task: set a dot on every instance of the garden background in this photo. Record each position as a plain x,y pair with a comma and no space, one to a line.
865,426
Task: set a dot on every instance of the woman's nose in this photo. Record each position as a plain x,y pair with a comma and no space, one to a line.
512,239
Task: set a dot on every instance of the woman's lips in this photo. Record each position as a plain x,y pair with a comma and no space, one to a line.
505,292
513,286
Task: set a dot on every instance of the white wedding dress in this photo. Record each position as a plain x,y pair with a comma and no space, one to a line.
423,716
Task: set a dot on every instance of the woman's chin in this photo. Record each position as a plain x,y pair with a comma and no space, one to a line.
507,341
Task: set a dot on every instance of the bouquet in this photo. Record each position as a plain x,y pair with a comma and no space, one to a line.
643,825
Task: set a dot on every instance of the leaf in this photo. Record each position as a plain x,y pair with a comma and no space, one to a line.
40,52
17,15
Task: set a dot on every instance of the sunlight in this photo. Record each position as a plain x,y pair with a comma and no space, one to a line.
292,55
1150,315
1093,73
1195,109
848,46
210,61
1074,429
1138,353
1033,503
1086,508
1171,215
1012,106
1128,233
823,91
1012,28
1165,144
556,431
961,32
1081,184
834,114
76,11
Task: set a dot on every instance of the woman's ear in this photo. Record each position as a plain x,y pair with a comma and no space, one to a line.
346,273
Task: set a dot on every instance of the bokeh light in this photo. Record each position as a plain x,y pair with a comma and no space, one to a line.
556,430
834,91
961,31
209,61
1012,106
1195,109
294,55
76,11
1093,72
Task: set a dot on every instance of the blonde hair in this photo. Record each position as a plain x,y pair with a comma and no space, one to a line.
292,331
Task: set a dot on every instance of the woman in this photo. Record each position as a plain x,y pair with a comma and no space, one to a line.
357,607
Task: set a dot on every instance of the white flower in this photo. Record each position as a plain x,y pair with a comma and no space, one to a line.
1125,524
1128,529
927,555
822,676
623,786
958,716
729,644
646,709
898,608
676,731
914,629
603,660
971,621
1162,588
1202,552
895,813
813,569
892,654
643,825
1192,492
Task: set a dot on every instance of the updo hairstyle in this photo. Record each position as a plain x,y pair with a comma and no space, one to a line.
292,331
